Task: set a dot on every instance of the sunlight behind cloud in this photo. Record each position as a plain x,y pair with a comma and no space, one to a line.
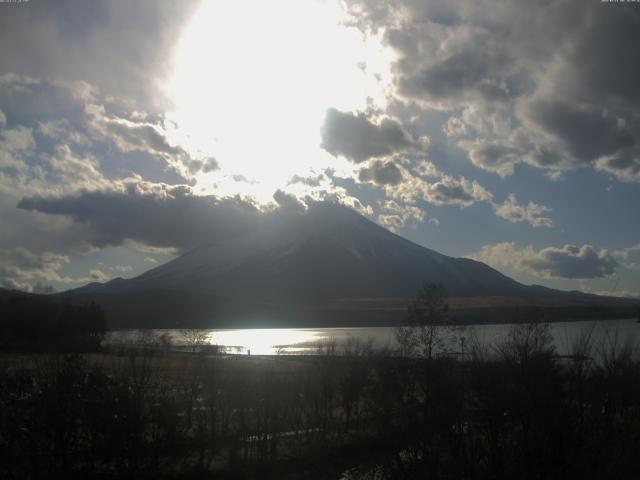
253,80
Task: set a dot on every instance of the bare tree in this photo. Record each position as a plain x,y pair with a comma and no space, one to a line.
527,341
195,338
428,326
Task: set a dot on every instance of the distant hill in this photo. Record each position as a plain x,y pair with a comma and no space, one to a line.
6,294
328,266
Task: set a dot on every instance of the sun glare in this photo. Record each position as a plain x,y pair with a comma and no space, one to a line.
252,83
264,341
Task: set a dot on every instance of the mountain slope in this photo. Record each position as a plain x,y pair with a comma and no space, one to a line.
294,264
330,252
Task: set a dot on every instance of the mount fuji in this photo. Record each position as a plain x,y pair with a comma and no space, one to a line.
326,266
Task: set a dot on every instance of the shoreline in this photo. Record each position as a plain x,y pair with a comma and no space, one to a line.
353,327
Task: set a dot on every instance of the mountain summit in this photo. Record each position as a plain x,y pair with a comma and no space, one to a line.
325,260
328,253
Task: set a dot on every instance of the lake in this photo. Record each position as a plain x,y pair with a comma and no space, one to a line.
306,341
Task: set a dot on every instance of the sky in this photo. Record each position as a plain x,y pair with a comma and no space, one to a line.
507,130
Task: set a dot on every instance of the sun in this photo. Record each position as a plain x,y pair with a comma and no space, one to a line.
253,80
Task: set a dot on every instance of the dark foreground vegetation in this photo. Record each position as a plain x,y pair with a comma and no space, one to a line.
513,411
433,408
35,323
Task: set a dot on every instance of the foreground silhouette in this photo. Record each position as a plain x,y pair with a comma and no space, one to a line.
145,410
34,323
517,411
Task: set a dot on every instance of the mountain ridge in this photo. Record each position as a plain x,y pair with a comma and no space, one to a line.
302,262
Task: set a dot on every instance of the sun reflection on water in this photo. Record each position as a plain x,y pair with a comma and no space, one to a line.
265,341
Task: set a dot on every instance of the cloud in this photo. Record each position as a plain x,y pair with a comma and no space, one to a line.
20,268
451,191
311,181
381,173
122,268
141,247
209,165
424,183
569,261
339,195
629,257
446,190
154,215
164,219
124,49
242,179
14,144
31,271
499,156
67,136
473,71
39,232
206,166
135,137
551,87
98,276
444,61
531,213
358,138
19,139
289,202
395,216
587,131
614,293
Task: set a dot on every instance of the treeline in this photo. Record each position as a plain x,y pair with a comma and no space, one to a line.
515,410
37,323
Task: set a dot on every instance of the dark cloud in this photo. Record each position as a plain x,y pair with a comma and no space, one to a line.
588,131
381,173
208,165
288,202
564,77
448,53
601,67
494,155
452,78
569,261
41,233
123,48
160,216
357,138
145,137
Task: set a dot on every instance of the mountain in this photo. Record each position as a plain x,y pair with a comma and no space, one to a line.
329,265
6,294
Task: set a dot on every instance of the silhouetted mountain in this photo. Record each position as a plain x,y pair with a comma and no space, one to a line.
5,294
302,268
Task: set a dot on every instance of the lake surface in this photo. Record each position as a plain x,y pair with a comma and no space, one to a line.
307,341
